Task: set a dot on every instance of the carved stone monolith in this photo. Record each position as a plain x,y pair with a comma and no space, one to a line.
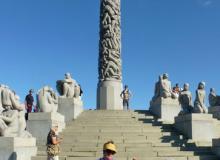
110,72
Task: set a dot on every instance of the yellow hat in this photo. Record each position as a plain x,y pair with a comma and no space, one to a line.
109,146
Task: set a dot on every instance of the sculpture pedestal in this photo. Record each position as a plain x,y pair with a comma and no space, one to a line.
69,107
215,111
15,148
108,95
216,146
198,127
39,124
165,109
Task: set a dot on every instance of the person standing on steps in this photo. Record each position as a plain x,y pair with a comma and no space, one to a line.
29,99
109,149
126,95
53,141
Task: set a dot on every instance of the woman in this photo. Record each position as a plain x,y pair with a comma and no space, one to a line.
53,148
109,149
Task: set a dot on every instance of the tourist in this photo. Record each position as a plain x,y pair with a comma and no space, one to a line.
109,149
53,141
29,99
176,90
126,95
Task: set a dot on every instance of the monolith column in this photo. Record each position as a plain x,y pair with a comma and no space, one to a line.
110,72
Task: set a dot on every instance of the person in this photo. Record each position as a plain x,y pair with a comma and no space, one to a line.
29,102
53,144
109,150
126,95
176,90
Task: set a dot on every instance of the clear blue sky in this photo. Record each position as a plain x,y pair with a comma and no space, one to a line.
40,40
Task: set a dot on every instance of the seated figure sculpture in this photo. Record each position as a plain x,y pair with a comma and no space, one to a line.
47,100
166,89
12,120
199,103
68,88
214,100
185,99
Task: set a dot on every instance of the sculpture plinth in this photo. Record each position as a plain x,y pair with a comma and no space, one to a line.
109,95
198,127
165,109
110,76
16,148
215,111
70,108
40,123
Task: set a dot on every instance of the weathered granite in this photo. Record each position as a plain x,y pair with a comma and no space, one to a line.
165,109
71,108
215,111
216,146
198,127
40,123
110,67
16,148
108,95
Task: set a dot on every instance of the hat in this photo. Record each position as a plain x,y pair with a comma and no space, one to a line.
109,146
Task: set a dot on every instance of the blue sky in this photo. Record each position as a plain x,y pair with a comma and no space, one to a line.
40,40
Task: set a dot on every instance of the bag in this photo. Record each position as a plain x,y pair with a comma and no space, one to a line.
53,150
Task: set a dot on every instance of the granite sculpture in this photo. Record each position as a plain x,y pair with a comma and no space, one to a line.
185,99
214,100
68,88
110,66
199,103
47,100
12,119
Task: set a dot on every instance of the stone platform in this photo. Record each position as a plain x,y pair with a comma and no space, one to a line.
165,109
198,127
40,123
69,107
215,111
14,148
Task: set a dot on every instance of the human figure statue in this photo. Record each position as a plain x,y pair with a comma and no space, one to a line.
47,100
185,99
67,87
214,100
126,95
157,88
12,120
199,103
165,88
1,89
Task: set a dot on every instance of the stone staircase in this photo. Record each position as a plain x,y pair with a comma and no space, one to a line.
136,134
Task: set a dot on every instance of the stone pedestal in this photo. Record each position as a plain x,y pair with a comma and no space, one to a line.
15,148
39,124
216,146
70,108
165,109
198,127
108,95
215,111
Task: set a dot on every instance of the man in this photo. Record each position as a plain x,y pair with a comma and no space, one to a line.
109,149
29,102
126,95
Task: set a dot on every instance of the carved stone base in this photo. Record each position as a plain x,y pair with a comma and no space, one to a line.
165,109
39,124
215,111
108,95
70,108
198,127
216,146
15,148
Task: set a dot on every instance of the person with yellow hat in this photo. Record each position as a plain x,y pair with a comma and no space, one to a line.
109,149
